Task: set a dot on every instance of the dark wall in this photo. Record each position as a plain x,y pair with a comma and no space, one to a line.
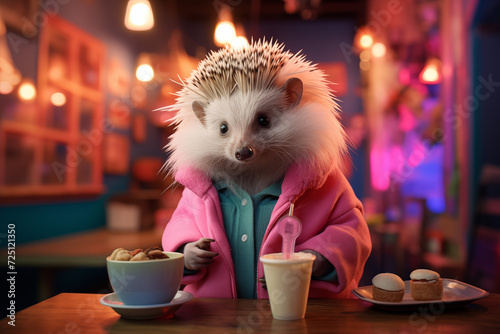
484,96
485,102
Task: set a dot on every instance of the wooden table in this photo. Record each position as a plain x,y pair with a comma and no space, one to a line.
82,313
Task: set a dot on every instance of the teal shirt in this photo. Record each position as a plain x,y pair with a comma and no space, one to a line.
245,221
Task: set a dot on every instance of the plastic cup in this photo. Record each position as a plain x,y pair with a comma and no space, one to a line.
288,283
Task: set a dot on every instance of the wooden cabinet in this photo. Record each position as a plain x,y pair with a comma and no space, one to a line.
57,149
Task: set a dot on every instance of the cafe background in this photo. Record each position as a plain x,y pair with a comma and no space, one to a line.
418,83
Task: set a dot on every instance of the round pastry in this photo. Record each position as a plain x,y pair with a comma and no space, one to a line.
426,285
388,287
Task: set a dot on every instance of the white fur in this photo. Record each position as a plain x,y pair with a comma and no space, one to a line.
309,133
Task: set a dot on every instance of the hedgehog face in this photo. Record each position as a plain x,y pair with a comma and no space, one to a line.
246,125
242,124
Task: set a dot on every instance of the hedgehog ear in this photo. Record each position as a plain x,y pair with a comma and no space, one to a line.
199,111
293,88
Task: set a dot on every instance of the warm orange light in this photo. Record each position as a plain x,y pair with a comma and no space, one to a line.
9,75
365,55
6,87
224,33
27,91
430,74
239,42
144,73
15,78
364,65
139,15
366,41
58,99
378,50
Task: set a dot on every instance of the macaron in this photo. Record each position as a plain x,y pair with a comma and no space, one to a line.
388,287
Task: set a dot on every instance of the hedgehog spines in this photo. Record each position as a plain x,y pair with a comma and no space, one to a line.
252,67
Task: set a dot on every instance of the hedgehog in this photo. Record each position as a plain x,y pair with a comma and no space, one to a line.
246,114
258,133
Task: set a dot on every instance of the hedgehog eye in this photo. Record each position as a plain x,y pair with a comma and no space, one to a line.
263,121
223,129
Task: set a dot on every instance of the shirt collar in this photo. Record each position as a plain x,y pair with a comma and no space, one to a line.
273,190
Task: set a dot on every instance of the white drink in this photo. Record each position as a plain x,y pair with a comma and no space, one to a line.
288,284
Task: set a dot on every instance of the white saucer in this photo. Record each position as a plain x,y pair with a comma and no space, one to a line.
455,294
141,312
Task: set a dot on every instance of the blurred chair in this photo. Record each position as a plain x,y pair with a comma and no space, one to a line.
430,241
483,264
149,201
147,174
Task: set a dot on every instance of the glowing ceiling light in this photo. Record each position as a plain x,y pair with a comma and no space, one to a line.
27,91
224,33
144,73
366,41
58,99
430,74
378,50
139,15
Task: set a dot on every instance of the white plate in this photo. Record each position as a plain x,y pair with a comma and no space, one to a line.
455,294
141,312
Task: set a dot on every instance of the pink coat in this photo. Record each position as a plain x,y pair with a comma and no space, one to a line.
332,224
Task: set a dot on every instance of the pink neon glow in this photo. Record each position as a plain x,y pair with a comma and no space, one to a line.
406,118
385,162
379,168
404,76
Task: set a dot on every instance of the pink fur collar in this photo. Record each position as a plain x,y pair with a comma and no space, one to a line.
298,178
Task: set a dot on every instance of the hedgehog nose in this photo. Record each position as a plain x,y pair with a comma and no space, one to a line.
244,153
